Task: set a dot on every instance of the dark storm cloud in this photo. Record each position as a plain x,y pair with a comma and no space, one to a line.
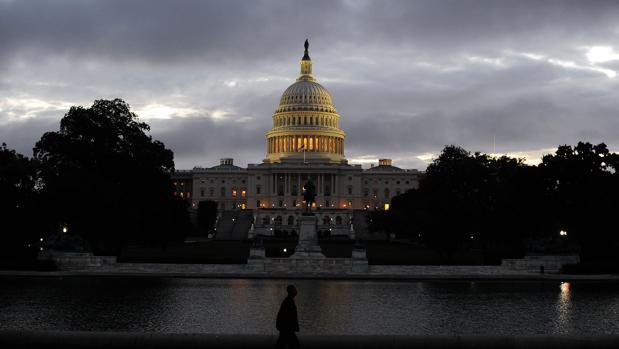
407,77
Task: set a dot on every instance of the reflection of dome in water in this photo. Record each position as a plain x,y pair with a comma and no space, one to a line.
305,124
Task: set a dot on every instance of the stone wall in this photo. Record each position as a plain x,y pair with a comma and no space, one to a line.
551,264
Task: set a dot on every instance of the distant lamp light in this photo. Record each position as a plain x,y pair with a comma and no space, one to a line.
41,248
41,239
65,229
472,237
565,287
285,250
563,233
386,207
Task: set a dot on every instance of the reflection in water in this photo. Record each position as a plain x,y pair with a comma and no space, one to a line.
563,308
325,306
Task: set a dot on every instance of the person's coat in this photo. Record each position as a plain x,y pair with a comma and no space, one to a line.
287,320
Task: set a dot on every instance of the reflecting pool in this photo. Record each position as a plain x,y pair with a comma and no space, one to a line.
325,306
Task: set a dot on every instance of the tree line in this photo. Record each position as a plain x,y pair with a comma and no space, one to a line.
98,182
502,206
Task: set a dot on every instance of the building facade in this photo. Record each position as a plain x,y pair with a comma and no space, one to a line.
305,143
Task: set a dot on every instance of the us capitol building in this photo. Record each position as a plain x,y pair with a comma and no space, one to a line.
305,143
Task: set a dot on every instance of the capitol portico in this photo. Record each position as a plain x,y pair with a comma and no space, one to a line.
305,143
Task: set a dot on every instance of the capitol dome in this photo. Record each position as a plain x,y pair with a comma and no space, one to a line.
306,95
305,123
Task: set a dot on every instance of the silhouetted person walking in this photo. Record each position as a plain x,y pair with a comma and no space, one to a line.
287,322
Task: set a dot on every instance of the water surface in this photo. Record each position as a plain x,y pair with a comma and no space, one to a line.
325,306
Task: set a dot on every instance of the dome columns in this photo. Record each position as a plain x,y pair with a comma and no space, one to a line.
308,143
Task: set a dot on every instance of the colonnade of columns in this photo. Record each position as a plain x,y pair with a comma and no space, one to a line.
325,184
291,144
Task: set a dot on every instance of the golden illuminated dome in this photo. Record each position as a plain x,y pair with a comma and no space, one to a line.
306,95
305,123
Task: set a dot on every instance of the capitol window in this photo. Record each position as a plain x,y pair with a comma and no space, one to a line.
233,192
243,193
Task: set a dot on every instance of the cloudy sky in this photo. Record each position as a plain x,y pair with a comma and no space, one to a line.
407,77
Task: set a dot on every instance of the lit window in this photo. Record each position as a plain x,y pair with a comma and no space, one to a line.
386,207
243,193
233,193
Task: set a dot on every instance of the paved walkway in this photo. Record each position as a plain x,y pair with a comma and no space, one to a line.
111,340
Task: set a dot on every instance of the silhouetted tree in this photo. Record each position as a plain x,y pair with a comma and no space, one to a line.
467,199
584,185
19,223
106,179
505,205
